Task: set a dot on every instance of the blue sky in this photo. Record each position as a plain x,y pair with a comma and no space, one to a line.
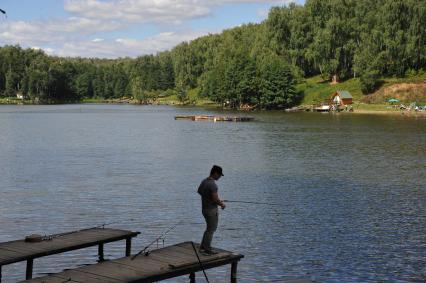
119,28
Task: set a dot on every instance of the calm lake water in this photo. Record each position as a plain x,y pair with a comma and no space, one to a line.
351,188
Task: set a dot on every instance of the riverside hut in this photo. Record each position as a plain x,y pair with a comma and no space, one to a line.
341,98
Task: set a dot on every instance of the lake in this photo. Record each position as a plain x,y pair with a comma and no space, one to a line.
351,188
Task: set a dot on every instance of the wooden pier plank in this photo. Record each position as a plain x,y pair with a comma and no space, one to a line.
111,272
147,266
167,257
6,254
160,264
187,248
66,239
73,276
20,250
53,279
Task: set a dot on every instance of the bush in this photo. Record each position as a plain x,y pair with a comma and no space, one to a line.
182,95
369,81
167,93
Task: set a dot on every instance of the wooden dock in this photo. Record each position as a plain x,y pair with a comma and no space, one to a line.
160,264
20,250
216,118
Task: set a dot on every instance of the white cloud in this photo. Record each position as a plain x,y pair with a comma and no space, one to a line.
152,11
44,32
263,13
126,47
84,33
157,11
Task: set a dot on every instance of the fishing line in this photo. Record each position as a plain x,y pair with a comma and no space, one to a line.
250,202
271,205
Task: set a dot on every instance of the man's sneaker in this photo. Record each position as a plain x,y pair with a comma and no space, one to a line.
208,252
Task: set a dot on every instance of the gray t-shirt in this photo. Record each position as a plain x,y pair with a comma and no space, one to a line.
206,189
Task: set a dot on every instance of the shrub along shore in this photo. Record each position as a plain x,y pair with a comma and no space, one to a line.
408,89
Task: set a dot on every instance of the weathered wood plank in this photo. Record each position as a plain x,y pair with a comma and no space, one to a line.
187,248
166,260
7,254
160,264
53,279
147,264
15,251
191,263
24,249
174,253
76,276
110,271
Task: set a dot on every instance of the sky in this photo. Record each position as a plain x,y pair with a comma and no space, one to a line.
121,28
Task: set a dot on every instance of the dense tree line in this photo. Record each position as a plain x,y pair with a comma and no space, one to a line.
255,64
47,79
348,38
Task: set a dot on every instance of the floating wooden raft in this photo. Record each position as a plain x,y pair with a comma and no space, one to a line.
160,264
216,118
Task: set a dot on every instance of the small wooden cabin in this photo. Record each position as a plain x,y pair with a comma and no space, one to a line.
341,98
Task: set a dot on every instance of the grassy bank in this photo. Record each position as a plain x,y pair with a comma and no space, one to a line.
10,100
316,90
173,99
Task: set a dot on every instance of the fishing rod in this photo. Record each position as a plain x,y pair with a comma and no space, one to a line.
199,262
144,250
85,229
250,202
39,238
111,223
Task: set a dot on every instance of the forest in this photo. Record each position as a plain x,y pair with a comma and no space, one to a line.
255,64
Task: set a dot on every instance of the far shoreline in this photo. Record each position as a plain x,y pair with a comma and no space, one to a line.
209,104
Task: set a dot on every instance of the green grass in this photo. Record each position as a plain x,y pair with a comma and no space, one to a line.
93,100
163,100
374,107
193,99
172,99
316,90
10,100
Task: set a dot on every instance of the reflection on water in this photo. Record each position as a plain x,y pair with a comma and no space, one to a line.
351,188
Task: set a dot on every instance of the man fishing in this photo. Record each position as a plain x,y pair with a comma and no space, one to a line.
210,201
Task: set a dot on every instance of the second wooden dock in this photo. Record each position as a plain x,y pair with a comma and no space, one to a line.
160,264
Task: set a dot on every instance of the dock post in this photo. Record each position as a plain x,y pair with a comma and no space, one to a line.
234,272
101,252
0,273
192,277
128,246
29,272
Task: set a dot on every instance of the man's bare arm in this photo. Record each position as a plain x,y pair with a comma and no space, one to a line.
217,200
